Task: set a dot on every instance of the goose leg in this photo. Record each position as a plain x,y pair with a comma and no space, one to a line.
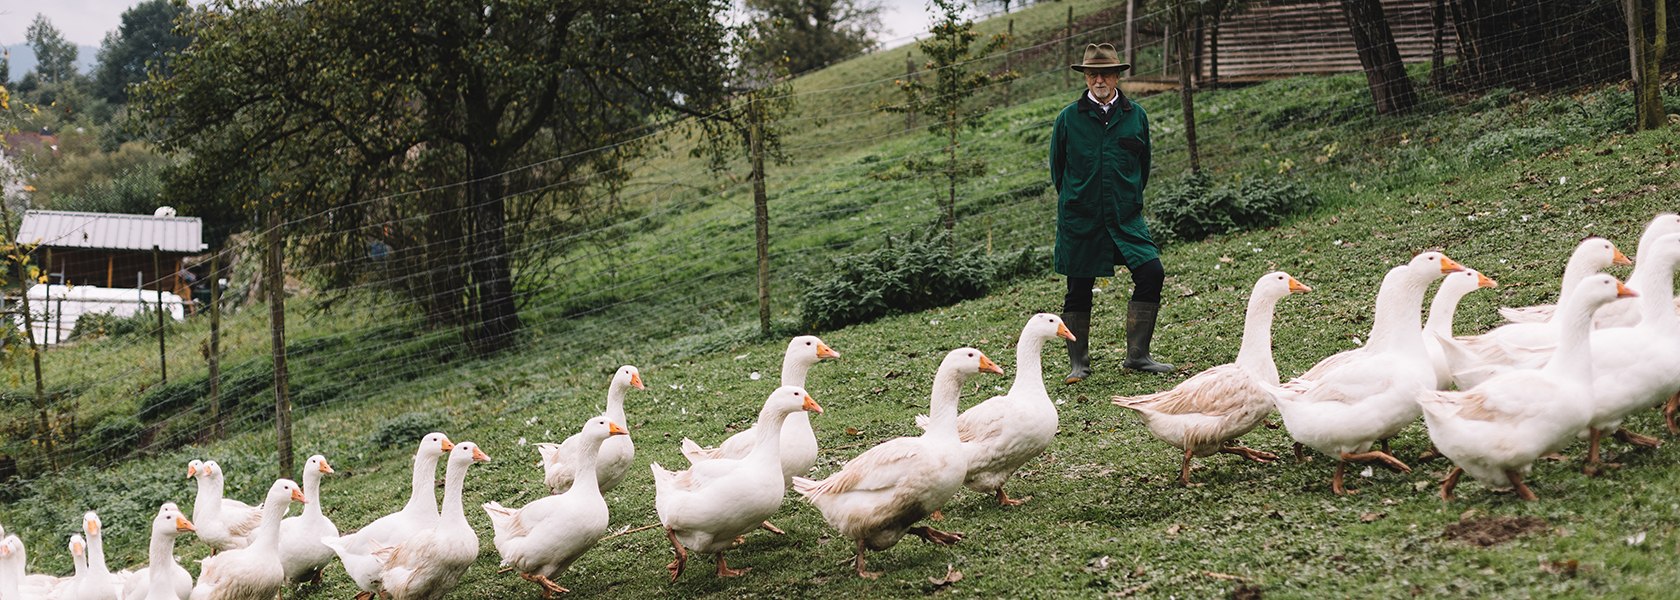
1517,482
676,566
1385,446
1591,468
943,538
364,596
1258,456
767,526
1336,481
1450,483
1004,499
723,569
1184,469
1669,411
870,575
1428,455
1382,457
1636,439
1301,454
549,587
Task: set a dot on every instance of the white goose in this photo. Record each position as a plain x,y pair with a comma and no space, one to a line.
301,552
430,563
559,461
1225,402
252,572
1004,432
706,507
355,550
1637,367
799,441
223,523
176,583
1350,400
1591,255
97,582
543,538
1496,430
15,582
1442,308
1619,313
877,497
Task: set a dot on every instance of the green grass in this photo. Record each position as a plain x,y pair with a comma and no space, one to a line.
1505,183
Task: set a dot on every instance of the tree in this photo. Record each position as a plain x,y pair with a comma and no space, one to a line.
55,56
952,59
339,110
1385,74
1180,20
1556,44
1647,26
804,35
145,41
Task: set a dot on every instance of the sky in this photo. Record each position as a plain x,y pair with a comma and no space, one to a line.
84,22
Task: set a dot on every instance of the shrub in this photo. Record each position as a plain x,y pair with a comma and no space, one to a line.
113,437
1196,207
908,274
142,323
402,430
1500,146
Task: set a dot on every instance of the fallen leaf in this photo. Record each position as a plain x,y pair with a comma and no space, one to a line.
1224,576
1371,516
1174,529
1566,568
952,575
853,431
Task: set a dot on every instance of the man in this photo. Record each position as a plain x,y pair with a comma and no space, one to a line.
1099,163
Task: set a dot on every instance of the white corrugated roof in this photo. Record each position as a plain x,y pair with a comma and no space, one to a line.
66,229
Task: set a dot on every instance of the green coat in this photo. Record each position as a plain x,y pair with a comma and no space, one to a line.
1100,172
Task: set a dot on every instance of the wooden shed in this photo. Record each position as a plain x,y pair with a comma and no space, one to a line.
113,250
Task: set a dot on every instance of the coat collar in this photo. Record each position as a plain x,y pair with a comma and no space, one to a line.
1090,107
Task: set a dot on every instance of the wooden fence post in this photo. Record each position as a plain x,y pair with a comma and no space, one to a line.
214,355
1067,48
29,333
157,273
277,335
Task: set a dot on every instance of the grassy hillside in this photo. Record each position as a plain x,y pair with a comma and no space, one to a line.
1505,183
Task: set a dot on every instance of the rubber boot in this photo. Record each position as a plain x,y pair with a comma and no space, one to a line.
1140,329
1079,349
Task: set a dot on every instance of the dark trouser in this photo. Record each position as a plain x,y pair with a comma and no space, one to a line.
1147,280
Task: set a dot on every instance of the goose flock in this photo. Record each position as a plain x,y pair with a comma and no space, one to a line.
1492,403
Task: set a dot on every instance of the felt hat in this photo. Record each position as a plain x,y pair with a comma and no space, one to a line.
1101,56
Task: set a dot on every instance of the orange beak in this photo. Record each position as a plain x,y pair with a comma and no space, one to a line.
987,365
326,468
192,470
1483,281
1449,265
480,456
297,496
1062,332
636,381
1296,287
182,524
811,404
91,526
612,429
823,351
1623,291
1619,258
77,548
448,445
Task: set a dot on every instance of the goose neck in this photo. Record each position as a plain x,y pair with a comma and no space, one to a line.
942,408
268,532
454,484
421,497
768,446
1029,367
615,403
584,476
1255,354
312,492
160,552
1573,358
794,371
1398,324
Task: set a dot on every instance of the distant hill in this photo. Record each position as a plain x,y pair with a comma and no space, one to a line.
23,59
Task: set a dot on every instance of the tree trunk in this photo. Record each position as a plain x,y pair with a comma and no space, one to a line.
46,437
277,339
1437,47
761,215
1391,90
497,317
1213,52
1186,91
1645,51
951,167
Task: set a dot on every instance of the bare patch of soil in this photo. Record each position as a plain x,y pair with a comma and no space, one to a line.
1490,531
